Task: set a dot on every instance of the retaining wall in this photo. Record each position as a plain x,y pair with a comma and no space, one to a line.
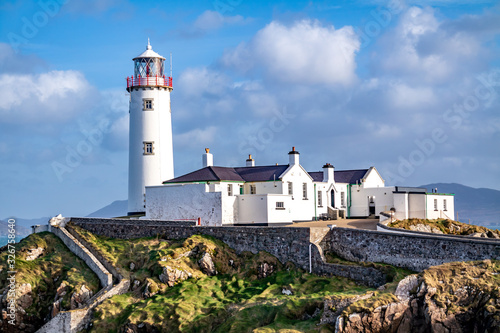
76,320
286,244
412,251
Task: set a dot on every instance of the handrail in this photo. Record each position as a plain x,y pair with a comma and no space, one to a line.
164,81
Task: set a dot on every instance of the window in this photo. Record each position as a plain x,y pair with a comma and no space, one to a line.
147,104
242,190
280,205
290,188
229,189
253,190
304,191
342,199
148,148
320,199
444,204
435,204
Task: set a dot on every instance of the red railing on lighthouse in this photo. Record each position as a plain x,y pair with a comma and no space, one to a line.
162,81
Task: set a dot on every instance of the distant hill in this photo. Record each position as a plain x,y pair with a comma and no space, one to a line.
480,205
20,230
115,209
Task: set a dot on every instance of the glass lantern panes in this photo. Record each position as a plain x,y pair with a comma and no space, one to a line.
148,67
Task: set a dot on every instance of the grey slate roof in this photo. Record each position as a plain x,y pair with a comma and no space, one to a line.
259,174
342,176
239,174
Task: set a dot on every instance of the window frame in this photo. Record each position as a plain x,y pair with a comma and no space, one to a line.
253,189
320,198
304,191
280,205
145,106
342,199
435,205
145,147
444,205
229,190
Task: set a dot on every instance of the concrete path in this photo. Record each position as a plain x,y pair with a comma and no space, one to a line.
368,224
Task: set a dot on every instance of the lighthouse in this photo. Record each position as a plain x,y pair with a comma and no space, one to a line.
151,158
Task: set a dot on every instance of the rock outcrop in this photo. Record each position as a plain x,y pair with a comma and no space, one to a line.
171,276
207,264
454,307
80,298
265,270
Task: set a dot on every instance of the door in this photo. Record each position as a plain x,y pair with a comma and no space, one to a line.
332,198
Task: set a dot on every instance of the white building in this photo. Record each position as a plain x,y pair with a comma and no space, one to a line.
249,195
150,140
278,194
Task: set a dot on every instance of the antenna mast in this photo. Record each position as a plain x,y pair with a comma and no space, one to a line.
170,64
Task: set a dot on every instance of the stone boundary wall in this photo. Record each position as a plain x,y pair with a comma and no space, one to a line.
76,320
286,244
383,227
415,252
102,220
83,253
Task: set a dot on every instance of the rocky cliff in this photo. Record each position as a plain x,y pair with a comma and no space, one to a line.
455,297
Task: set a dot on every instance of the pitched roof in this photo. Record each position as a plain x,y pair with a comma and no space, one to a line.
341,176
240,174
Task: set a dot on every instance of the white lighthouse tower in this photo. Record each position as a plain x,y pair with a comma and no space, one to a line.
151,158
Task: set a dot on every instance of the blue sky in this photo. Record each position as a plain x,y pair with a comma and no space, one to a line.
411,88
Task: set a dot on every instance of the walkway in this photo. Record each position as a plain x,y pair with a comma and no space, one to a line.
367,224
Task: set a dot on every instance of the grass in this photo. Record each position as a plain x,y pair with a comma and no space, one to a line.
46,273
234,300
380,297
445,226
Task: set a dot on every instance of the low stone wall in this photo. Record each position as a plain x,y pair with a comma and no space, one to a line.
383,227
83,253
76,320
113,221
415,252
286,244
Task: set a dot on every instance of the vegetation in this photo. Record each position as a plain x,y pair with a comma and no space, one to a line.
445,226
238,299
381,296
477,282
56,265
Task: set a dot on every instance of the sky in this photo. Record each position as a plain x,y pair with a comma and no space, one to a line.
410,87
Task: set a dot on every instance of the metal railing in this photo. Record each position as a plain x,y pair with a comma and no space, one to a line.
163,81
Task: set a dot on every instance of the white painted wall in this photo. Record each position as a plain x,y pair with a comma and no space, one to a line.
401,205
416,205
189,201
156,126
302,210
384,199
252,208
373,179
440,212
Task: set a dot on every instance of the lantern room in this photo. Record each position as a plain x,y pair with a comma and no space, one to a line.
149,70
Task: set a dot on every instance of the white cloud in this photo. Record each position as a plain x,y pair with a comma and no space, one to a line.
196,137
212,20
55,96
209,21
305,52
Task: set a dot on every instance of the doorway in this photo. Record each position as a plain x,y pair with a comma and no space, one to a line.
332,198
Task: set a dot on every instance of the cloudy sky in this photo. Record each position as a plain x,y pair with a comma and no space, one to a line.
411,88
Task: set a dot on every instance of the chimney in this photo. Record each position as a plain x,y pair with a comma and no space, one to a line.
250,161
328,173
207,158
293,157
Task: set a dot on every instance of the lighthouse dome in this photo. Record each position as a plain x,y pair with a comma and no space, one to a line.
149,53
